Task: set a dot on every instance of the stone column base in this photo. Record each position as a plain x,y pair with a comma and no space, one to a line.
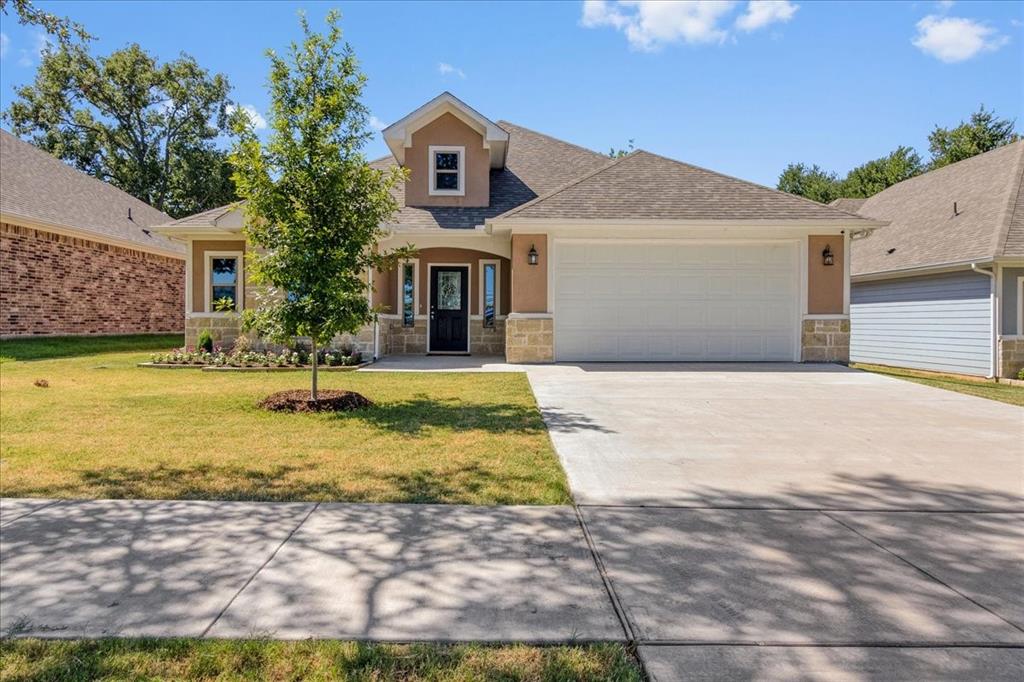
529,339
224,330
825,341
1011,356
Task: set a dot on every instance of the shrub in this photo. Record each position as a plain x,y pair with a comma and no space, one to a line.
1020,374
205,341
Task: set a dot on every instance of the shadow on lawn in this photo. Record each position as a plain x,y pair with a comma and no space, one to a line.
417,415
446,484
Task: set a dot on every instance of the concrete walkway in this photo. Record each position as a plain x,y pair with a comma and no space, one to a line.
235,569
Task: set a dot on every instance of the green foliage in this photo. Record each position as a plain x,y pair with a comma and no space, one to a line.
811,182
619,153
984,132
1020,375
874,176
62,28
205,341
314,205
150,129
224,304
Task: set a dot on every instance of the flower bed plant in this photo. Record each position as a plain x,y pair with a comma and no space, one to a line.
243,357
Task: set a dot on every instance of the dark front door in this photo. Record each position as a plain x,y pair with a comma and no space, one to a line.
449,309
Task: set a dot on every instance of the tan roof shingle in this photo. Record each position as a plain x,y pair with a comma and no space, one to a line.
645,186
924,230
37,186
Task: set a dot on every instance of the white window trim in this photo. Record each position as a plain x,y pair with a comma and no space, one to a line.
1020,306
208,281
433,150
497,286
400,308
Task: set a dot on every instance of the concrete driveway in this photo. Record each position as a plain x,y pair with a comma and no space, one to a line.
778,436
798,522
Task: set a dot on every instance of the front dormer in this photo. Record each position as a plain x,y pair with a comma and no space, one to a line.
449,149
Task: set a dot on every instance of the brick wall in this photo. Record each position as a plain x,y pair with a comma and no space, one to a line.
56,284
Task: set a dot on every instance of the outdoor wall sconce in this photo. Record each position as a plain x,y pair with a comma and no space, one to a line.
531,256
827,257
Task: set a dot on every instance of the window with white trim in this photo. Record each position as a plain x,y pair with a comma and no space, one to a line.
223,282
447,171
489,292
408,294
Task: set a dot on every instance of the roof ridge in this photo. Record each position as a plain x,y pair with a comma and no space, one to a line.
753,184
503,122
93,178
1003,233
568,185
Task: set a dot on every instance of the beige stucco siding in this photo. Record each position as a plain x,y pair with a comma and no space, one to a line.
825,282
199,251
529,282
387,287
447,130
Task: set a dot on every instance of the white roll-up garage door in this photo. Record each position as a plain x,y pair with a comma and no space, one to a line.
669,300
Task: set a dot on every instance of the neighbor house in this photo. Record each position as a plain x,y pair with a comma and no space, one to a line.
543,251
79,256
940,288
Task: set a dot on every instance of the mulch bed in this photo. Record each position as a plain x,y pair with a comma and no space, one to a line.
328,401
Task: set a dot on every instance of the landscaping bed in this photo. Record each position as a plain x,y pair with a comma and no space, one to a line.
240,357
326,401
261,659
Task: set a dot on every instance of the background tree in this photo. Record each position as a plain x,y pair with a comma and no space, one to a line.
984,132
811,182
314,206
619,153
874,176
150,129
62,28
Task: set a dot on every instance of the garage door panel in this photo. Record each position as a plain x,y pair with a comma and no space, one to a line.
676,301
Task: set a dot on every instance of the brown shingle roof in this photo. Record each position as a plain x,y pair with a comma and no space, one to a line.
37,186
536,164
645,186
848,204
923,229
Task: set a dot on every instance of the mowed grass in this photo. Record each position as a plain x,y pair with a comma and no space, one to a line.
982,388
104,428
71,346
191,659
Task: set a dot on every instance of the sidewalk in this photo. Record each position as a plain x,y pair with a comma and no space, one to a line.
294,570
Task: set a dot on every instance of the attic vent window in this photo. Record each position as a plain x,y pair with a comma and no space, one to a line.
447,171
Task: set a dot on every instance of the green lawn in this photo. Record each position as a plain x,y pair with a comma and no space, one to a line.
982,388
71,346
190,659
106,428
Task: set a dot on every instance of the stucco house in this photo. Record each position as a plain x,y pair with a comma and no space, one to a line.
79,256
544,251
942,287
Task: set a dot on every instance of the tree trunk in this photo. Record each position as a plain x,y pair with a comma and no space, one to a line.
312,393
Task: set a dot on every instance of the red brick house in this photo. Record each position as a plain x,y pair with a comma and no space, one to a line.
77,255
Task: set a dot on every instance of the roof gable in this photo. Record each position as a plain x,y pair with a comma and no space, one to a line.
925,231
36,186
398,135
645,186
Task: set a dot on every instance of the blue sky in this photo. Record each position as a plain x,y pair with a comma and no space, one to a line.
743,88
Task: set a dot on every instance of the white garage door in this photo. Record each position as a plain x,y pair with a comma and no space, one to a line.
675,301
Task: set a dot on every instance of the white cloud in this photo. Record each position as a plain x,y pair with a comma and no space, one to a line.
5,44
649,25
953,39
760,13
446,69
258,122
377,124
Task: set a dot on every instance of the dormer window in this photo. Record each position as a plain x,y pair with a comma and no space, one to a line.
447,171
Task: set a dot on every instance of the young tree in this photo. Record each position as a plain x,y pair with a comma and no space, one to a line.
150,129
810,182
314,206
982,133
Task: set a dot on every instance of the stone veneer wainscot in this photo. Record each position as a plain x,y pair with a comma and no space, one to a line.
529,339
1011,356
825,340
